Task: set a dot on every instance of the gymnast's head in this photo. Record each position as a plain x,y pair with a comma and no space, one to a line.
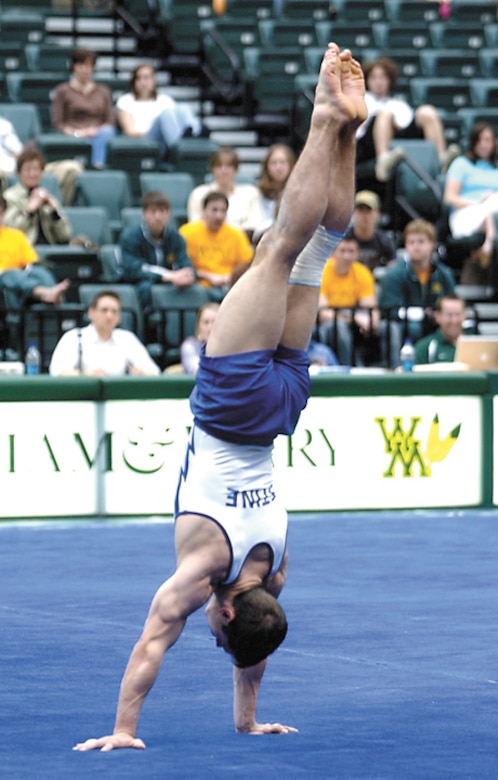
251,628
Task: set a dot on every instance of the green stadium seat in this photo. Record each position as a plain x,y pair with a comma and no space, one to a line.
466,12
21,26
57,146
390,36
107,189
287,32
444,93
37,88
484,92
177,308
444,63
25,117
135,156
91,221
462,37
408,11
191,155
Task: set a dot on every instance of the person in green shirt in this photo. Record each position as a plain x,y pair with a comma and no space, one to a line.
439,347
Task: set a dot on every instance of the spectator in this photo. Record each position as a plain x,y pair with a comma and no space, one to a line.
376,246
410,288
244,207
11,146
391,117
142,112
31,208
21,276
347,303
101,348
471,190
83,108
153,252
214,247
190,349
275,169
440,346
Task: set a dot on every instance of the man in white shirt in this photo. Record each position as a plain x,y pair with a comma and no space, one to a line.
101,348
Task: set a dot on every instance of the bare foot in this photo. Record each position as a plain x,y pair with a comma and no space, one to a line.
353,84
331,103
52,294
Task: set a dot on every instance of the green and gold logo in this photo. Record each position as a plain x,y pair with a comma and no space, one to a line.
406,451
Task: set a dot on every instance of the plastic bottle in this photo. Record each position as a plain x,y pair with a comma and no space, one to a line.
407,355
32,361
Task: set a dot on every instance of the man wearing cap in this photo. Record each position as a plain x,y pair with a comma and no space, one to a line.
377,248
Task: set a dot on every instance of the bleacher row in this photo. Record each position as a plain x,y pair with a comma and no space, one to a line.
450,64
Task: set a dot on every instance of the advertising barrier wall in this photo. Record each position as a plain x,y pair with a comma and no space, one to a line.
71,448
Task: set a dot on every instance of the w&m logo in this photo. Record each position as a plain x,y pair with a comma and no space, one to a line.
405,449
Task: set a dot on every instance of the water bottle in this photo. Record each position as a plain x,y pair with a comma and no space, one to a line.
407,355
32,361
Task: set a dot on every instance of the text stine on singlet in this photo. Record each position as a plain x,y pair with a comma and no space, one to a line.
249,499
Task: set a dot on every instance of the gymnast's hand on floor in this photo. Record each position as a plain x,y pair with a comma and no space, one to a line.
267,728
119,740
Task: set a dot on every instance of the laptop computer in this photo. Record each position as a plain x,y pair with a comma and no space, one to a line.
478,353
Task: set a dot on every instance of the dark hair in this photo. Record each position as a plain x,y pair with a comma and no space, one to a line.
388,66
258,628
134,76
212,196
27,156
155,198
81,55
473,140
105,294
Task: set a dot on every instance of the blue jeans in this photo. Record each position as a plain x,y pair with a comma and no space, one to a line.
19,284
170,126
99,145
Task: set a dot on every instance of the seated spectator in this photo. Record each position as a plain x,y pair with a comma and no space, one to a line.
215,248
190,349
471,190
275,169
376,246
347,303
153,252
392,117
31,208
11,146
440,346
142,112
83,108
244,205
410,288
102,348
21,275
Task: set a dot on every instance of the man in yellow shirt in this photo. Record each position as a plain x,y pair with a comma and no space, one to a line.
21,276
215,248
347,309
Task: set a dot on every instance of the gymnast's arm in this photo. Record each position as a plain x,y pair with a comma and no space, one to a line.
177,598
246,681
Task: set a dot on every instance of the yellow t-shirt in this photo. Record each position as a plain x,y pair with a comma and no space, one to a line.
216,253
15,250
344,291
